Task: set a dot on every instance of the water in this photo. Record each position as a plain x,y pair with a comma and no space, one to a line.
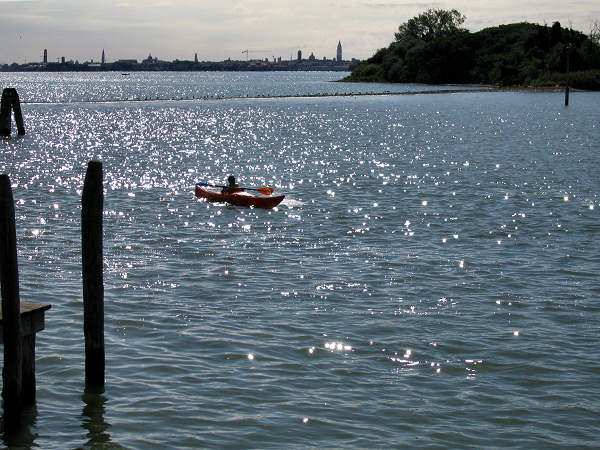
147,86
430,279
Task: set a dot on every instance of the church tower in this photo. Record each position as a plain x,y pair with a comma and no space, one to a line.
45,56
339,51
103,59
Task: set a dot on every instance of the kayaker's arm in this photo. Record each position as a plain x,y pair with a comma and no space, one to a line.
262,190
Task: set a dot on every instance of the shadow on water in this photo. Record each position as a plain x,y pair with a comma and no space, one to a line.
93,419
24,438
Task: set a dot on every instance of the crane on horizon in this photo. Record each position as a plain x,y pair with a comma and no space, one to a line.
252,51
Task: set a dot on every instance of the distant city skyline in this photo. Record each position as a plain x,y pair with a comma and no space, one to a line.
102,60
180,29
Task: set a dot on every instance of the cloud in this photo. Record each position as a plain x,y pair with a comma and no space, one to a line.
216,30
397,5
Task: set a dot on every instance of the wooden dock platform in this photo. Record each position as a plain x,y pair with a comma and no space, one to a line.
32,318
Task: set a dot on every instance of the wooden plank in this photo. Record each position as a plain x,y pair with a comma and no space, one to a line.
30,307
32,318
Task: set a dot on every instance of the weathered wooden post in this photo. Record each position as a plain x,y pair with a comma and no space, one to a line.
93,287
11,333
5,114
32,321
10,101
16,104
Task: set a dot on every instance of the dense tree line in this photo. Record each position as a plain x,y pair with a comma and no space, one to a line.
433,48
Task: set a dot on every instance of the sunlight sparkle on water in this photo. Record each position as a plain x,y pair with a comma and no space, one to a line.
353,250
337,346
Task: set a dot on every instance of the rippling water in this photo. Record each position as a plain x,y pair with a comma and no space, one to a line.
430,279
147,86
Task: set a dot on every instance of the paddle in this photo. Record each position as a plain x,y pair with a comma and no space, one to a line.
262,190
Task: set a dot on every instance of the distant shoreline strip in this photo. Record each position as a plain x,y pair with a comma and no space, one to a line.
266,97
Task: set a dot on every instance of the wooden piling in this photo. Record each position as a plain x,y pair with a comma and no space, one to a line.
5,114
93,287
32,321
16,105
10,102
28,384
11,332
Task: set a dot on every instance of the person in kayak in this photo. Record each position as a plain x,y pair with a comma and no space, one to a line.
232,187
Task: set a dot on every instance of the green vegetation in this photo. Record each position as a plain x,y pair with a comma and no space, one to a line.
433,48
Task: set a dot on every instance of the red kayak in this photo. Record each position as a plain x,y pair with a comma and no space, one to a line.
240,199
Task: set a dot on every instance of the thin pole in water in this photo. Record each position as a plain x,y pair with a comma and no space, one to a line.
569,48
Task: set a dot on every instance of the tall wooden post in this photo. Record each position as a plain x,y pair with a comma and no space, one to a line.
28,384
10,101
5,114
9,276
16,105
93,286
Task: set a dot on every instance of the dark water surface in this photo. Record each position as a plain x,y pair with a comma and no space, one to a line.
430,279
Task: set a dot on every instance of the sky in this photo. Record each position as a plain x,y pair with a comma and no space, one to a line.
217,30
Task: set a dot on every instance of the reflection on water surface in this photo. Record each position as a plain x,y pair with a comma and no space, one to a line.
432,257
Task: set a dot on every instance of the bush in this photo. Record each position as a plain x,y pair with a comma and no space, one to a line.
588,80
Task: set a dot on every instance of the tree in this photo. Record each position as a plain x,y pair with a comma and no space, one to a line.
432,48
555,34
430,25
595,32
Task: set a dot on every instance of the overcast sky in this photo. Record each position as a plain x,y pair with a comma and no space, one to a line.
217,30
